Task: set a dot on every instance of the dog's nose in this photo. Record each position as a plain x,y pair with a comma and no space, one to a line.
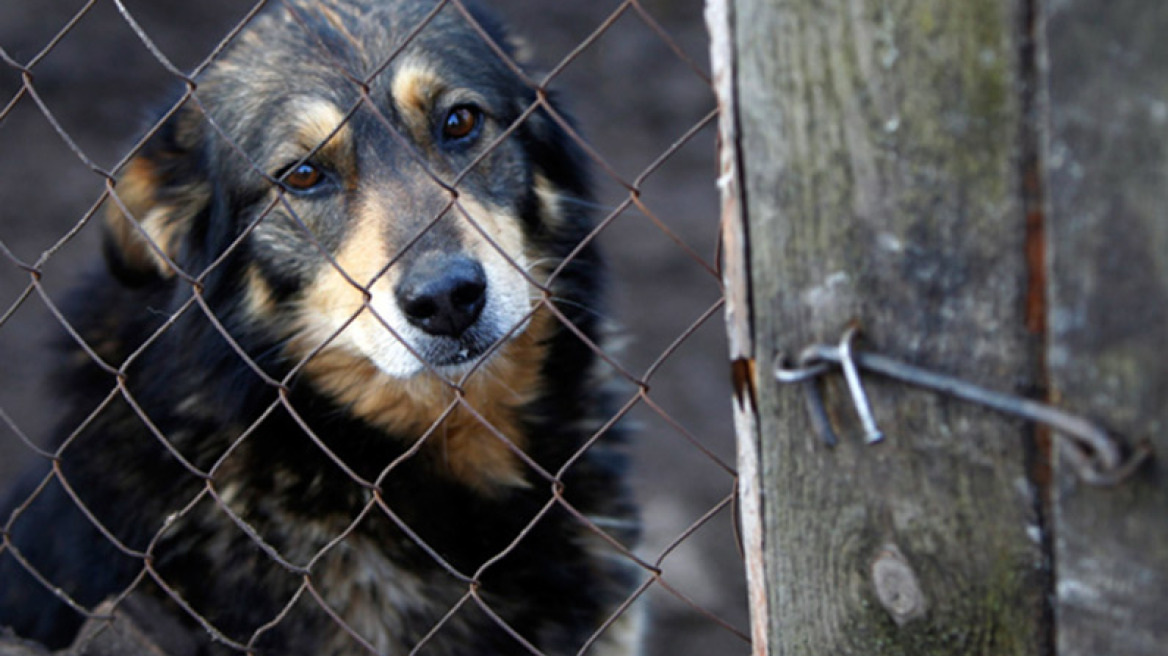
443,295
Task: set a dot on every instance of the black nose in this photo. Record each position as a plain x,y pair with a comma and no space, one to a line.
443,294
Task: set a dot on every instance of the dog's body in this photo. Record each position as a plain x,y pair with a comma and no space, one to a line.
333,393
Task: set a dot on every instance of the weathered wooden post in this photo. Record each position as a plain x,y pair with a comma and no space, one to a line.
886,162
1107,241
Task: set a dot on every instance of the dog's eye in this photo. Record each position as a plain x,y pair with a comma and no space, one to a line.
303,177
462,122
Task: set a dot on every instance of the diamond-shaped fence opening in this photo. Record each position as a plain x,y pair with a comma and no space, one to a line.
74,82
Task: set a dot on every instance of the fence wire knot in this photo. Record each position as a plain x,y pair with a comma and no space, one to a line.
1096,455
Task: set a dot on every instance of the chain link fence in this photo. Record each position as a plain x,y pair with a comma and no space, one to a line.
76,85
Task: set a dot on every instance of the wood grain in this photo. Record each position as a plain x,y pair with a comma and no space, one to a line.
882,153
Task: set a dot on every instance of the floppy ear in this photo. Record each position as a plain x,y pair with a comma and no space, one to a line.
556,151
155,203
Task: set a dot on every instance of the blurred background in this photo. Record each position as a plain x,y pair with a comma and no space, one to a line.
637,81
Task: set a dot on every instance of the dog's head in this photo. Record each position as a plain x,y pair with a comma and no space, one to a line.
375,178
371,195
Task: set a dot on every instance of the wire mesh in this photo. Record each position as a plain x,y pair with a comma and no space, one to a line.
632,74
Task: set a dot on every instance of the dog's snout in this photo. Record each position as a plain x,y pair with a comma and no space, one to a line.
443,295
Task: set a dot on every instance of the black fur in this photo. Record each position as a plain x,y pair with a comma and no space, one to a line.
174,416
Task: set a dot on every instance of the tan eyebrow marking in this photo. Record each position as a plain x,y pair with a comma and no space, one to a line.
415,86
317,127
320,122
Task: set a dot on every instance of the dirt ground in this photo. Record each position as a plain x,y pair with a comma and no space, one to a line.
635,98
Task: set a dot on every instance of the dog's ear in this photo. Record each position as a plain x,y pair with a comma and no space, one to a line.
156,202
554,145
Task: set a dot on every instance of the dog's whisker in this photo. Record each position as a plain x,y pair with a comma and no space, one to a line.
583,202
550,262
561,301
277,352
488,372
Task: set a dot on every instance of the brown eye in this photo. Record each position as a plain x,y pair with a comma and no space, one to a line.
303,177
462,122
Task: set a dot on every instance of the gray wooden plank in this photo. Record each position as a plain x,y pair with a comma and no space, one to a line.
1107,236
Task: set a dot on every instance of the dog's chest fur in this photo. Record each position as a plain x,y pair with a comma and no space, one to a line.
374,597
339,579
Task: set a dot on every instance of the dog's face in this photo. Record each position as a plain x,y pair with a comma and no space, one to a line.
381,174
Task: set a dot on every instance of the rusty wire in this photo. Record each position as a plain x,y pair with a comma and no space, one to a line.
640,396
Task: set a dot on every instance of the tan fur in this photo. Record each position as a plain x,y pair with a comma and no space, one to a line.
336,301
494,236
321,122
415,86
259,302
135,190
549,200
160,227
469,447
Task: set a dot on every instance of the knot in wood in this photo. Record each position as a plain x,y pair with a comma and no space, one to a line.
897,587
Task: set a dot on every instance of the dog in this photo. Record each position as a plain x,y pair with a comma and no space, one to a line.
336,388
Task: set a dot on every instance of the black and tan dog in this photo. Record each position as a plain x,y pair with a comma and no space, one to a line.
336,391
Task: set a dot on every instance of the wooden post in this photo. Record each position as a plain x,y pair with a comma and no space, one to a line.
882,151
984,185
1107,237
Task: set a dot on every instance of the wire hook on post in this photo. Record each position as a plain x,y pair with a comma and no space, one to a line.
1094,453
847,362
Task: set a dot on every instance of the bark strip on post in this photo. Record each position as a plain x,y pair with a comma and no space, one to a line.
736,275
